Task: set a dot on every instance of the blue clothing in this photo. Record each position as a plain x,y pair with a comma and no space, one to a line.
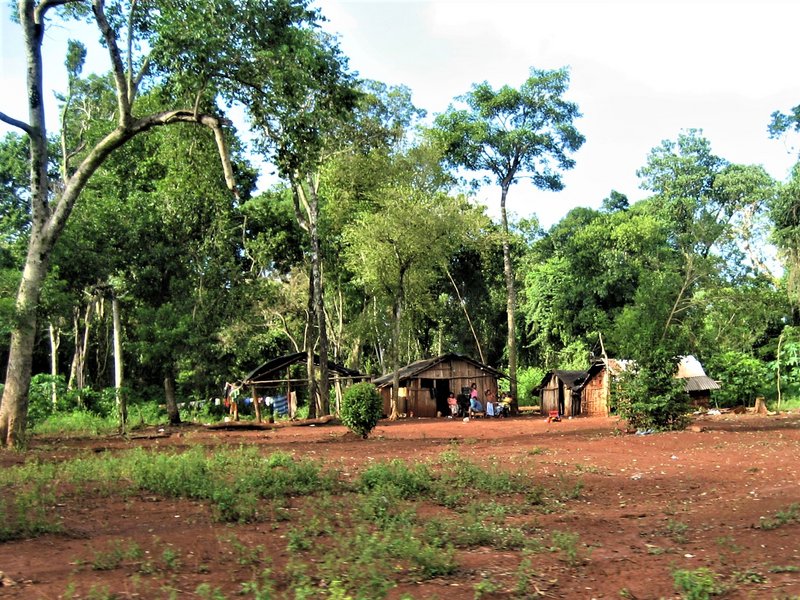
475,404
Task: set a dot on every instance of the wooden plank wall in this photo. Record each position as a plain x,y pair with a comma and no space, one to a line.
595,396
550,395
455,374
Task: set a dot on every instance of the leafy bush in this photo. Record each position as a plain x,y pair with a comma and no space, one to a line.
699,584
410,481
743,377
650,397
529,379
361,408
76,422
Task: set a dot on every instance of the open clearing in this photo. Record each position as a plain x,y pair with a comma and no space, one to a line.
618,514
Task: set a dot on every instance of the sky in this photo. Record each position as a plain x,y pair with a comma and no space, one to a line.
641,72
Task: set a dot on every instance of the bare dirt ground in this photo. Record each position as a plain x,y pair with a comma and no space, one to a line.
648,505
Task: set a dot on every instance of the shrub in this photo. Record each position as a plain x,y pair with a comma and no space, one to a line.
529,379
699,584
650,397
743,378
361,408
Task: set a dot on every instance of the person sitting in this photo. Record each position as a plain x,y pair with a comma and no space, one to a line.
505,404
475,405
452,404
492,409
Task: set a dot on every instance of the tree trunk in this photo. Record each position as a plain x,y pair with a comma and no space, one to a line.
14,406
398,313
55,342
169,396
256,404
319,300
511,305
122,407
311,371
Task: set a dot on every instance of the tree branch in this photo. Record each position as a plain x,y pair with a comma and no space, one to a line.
116,62
188,116
131,89
117,138
43,7
15,123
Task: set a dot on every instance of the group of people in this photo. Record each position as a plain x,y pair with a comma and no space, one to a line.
492,408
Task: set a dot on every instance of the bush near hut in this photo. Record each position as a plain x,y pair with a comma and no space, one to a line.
651,398
361,408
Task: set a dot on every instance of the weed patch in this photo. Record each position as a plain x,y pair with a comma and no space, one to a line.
781,518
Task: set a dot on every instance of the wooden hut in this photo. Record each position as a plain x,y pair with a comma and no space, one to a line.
580,393
561,391
425,384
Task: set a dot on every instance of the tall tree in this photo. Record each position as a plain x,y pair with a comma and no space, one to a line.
316,97
400,250
512,134
240,35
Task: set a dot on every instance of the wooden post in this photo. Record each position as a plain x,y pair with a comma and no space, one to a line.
256,404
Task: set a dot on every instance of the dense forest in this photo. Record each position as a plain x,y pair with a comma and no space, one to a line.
138,261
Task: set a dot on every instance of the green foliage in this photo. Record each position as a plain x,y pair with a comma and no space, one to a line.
529,379
786,235
114,555
76,422
649,396
530,128
409,481
26,511
567,543
485,587
742,377
781,518
677,530
361,408
697,584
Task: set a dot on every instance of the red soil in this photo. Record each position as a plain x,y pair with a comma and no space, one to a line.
649,505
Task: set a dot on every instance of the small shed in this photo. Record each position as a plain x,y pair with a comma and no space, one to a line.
580,393
596,387
561,391
698,384
425,384
273,379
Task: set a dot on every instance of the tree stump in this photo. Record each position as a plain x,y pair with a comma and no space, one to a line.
761,406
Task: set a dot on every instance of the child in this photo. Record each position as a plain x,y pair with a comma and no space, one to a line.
452,403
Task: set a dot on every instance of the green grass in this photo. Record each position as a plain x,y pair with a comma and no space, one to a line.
76,423
697,584
787,404
782,517
364,533
677,530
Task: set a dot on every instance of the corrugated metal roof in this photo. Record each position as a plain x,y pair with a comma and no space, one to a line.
701,384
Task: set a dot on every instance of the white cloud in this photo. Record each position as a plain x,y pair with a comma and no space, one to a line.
641,71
